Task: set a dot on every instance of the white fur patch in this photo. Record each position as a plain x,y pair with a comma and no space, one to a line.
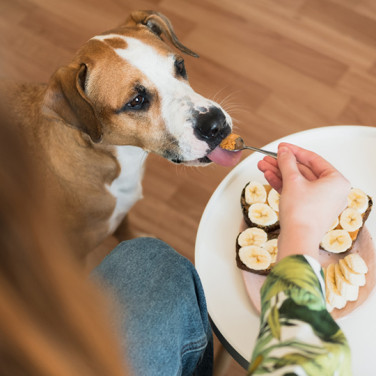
127,188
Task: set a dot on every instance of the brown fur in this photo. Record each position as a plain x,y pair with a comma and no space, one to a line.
70,132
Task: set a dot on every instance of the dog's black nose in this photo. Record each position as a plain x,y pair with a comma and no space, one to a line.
212,126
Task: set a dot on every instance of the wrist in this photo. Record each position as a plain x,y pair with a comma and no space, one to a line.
299,240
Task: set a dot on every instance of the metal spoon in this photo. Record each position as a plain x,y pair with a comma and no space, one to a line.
239,145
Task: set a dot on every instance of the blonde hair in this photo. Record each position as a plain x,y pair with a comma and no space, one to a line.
53,321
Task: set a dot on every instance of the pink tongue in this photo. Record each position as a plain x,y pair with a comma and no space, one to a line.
225,157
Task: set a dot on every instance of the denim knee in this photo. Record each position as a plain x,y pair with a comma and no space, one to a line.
163,305
145,255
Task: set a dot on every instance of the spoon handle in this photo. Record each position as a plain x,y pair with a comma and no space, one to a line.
271,153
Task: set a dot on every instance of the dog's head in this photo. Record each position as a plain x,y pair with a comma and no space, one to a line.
128,87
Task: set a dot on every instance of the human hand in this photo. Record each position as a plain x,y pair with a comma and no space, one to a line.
313,193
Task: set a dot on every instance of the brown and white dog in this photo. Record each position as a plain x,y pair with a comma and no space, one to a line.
124,94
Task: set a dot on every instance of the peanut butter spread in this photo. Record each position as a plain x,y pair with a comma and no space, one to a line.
229,142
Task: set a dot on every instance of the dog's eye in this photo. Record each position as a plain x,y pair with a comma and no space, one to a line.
140,102
137,103
180,68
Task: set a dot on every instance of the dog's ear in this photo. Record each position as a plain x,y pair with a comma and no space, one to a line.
158,24
66,100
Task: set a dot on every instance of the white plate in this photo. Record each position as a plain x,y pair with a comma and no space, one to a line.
352,150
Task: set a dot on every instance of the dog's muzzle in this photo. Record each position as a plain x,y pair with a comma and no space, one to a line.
212,127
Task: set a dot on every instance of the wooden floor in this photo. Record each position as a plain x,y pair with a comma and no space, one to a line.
278,67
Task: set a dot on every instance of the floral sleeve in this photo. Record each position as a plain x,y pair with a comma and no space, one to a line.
297,334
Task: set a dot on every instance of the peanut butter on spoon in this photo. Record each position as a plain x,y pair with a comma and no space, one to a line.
234,143
230,143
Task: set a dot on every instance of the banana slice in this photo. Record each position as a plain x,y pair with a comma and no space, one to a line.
333,296
262,214
346,289
336,241
334,224
273,199
358,200
357,279
272,247
255,257
255,192
356,263
252,236
350,220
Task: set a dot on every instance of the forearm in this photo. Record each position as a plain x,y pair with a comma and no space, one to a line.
296,331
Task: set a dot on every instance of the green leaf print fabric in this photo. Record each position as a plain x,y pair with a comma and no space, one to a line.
297,334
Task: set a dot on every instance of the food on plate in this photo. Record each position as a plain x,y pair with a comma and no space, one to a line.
256,250
273,200
334,299
260,207
262,215
358,200
343,279
255,192
272,247
255,258
350,220
336,241
334,224
357,279
229,143
252,236
356,263
345,288
342,235
259,204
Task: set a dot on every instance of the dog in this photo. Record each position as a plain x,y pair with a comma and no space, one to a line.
90,128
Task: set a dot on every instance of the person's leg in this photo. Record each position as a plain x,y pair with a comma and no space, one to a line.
163,316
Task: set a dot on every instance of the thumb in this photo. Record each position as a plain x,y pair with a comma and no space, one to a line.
287,164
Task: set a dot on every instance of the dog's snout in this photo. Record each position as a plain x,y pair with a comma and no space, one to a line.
212,125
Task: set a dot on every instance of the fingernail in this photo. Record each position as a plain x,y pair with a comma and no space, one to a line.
283,150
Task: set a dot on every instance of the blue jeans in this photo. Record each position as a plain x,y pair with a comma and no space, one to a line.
162,312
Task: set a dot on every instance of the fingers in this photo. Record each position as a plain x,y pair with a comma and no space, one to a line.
287,164
274,180
284,168
271,173
310,165
271,164
306,172
267,165
318,165
270,160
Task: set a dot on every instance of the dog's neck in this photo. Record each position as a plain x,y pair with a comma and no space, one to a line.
126,187
105,179
113,174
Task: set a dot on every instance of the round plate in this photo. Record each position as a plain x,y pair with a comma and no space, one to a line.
352,150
